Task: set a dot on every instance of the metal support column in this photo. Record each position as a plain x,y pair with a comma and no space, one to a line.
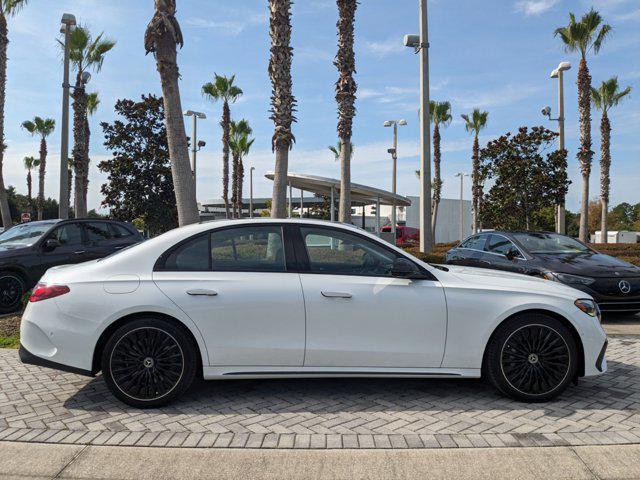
333,195
378,216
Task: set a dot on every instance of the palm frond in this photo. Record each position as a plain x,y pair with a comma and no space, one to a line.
12,7
222,88
93,102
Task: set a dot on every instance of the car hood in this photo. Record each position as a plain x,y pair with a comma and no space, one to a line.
8,250
514,282
590,264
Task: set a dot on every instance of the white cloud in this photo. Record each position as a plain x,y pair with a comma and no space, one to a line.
535,7
496,98
233,27
633,15
384,48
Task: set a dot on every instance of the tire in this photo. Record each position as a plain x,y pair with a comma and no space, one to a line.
149,362
12,289
532,358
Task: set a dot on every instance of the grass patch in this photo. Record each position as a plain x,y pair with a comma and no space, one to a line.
10,332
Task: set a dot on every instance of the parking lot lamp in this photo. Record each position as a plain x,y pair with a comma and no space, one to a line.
67,27
394,157
195,144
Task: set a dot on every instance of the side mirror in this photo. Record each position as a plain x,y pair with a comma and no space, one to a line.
51,244
403,268
511,255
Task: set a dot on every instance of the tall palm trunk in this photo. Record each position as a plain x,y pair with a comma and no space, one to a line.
4,42
437,181
69,184
282,100
239,187
80,147
605,180
234,185
585,154
29,190
346,88
226,132
477,189
41,172
162,36
85,179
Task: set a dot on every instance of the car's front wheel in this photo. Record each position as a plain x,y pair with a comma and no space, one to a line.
532,358
12,289
149,362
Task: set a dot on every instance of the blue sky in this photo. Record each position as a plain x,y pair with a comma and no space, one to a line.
492,54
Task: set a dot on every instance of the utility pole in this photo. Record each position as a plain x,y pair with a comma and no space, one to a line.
195,144
394,168
559,74
251,191
68,25
462,175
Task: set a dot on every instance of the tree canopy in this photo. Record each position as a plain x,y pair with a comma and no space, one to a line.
528,176
139,185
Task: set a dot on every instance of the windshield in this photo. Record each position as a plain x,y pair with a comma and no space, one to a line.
549,243
23,235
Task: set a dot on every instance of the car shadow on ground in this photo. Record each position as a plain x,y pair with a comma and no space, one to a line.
344,395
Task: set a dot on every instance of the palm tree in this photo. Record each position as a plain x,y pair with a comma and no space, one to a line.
8,8
222,88
162,36
283,103
440,113
30,163
240,146
42,127
85,53
585,35
474,123
346,88
605,97
93,102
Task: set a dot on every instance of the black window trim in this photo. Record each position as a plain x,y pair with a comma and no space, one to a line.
290,264
305,264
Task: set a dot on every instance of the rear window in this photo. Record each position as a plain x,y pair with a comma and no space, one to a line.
474,243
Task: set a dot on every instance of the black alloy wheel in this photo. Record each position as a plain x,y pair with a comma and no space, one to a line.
11,291
535,359
148,363
531,358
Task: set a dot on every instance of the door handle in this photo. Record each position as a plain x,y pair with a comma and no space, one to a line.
79,252
336,294
199,292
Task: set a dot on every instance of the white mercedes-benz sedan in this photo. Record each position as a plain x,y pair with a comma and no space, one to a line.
303,298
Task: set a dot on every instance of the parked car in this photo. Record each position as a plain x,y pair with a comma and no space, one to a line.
303,298
29,249
404,235
613,283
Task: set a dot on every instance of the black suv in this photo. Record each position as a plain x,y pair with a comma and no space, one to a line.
29,249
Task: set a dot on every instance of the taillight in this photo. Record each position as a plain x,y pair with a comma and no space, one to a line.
44,291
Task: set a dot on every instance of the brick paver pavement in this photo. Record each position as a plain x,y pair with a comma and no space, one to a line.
42,405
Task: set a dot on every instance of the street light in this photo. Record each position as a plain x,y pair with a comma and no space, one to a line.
195,144
68,25
462,175
420,44
559,74
251,191
394,157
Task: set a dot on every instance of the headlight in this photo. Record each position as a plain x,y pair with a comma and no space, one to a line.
589,307
568,278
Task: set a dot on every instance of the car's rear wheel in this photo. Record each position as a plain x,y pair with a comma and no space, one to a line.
149,362
532,358
12,289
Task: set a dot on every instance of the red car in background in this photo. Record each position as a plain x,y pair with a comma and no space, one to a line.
405,235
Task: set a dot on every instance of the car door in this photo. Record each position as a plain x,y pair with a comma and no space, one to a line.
243,293
502,254
358,315
469,253
100,239
71,248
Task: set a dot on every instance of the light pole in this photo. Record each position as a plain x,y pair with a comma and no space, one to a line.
251,191
462,175
68,25
559,74
421,45
394,157
195,144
